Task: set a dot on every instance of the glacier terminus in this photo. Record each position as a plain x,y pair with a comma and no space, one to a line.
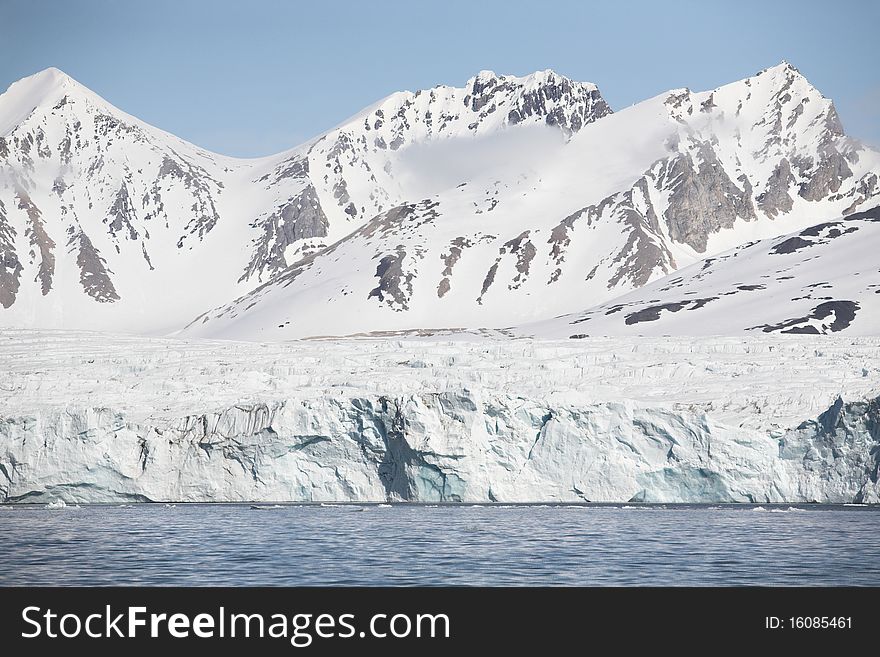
95,418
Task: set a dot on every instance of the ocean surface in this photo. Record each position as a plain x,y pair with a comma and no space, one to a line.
289,545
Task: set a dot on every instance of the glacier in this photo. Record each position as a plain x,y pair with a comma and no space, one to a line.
449,417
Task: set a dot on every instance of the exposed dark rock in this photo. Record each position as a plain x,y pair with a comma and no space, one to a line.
10,265
122,216
300,218
455,249
652,313
295,167
820,234
644,251
340,193
818,229
41,144
562,103
110,126
844,312
395,285
791,245
867,215
94,276
39,240
408,217
397,142
678,104
867,188
449,260
25,143
796,113
198,181
703,198
443,287
824,177
65,148
708,104
488,280
776,199
560,237
525,252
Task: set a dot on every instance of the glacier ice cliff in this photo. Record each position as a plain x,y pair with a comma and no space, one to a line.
91,418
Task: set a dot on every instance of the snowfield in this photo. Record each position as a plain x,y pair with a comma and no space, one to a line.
89,417
823,279
506,201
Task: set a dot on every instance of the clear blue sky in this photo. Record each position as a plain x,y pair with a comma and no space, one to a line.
258,76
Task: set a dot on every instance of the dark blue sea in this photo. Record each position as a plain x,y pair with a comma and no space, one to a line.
238,544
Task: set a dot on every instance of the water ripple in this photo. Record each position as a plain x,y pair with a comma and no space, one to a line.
436,545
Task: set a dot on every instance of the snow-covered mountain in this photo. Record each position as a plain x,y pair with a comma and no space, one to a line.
562,225
819,280
109,223
104,220
506,201
406,148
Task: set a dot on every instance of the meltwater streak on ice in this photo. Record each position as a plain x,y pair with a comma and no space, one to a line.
440,545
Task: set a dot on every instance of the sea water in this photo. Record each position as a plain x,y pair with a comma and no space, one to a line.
406,544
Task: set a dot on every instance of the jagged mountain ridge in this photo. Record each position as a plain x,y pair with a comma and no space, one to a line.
601,215
358,170
508,200
109,223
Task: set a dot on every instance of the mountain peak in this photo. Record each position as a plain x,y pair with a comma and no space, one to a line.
40,89
784,70
783,65
53,73
487,77
784,80
44,81
485,74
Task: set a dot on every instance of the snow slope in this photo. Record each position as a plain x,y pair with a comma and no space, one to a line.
89,417
823,279
109,223
508,200
104,220
629,198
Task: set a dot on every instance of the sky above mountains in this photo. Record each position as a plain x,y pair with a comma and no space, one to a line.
255,78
